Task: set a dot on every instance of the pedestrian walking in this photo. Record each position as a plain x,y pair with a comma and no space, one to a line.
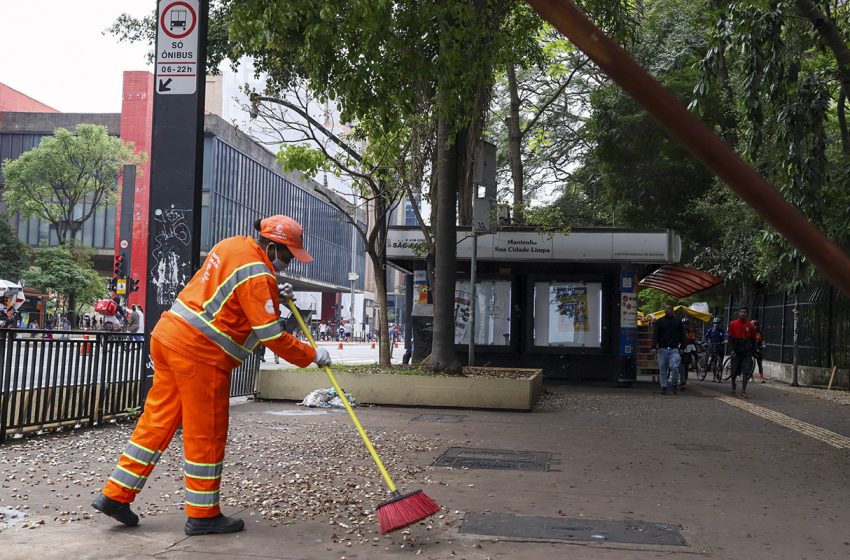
227,308
323,331
742,337
133,322
668,336
757,348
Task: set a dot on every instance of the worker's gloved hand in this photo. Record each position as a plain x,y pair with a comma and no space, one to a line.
323,357
286,291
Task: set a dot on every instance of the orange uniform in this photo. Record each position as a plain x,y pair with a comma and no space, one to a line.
227,309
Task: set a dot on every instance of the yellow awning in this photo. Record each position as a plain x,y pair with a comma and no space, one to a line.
644,320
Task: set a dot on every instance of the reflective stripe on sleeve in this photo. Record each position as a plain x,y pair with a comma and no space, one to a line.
268,331
202,470
223,341
202,499
128,479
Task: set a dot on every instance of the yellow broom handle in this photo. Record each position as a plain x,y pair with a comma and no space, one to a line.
341,393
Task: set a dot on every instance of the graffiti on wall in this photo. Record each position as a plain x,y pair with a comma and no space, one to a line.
170,268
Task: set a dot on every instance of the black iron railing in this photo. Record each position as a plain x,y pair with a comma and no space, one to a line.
54,379
59,379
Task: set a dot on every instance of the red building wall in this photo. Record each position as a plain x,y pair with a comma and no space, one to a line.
137,127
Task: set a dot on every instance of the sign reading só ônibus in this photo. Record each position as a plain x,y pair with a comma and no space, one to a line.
177,48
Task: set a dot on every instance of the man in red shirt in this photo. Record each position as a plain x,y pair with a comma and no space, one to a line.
742,337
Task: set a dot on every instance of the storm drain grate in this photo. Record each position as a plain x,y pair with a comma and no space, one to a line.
502,459
438,418
559,528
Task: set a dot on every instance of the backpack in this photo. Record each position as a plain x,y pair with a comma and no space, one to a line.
106,307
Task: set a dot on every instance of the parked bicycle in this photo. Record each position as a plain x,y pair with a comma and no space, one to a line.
747,368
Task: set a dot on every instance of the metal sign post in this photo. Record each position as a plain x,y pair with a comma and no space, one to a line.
176,155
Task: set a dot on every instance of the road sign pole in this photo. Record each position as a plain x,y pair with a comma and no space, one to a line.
174,221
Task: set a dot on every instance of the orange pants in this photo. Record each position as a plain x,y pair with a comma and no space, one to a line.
196,394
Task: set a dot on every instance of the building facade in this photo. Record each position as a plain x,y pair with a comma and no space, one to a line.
242,181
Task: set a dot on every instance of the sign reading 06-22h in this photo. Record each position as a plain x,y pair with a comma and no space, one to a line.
177,48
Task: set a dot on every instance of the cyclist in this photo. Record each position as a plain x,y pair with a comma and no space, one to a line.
715,337
742,337
689,354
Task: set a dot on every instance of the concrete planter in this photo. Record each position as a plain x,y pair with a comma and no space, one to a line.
407,390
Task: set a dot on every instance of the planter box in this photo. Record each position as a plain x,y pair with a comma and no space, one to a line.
407,390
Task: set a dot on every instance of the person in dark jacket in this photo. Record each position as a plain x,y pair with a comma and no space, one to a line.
668,336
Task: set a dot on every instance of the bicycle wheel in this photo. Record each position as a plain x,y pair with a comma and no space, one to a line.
702,367
727,369
714,367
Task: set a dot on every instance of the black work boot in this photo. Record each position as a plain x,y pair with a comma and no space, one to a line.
116,510
218,524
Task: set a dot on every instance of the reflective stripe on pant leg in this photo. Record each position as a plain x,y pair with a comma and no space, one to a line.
152,434
206,402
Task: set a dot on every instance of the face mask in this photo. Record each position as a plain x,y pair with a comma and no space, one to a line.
278,263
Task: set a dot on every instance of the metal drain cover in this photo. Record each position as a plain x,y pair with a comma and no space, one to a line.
559,528
502,459
438,418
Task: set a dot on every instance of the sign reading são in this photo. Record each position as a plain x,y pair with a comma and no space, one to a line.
177,48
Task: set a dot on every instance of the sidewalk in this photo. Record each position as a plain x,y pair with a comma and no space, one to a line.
729,483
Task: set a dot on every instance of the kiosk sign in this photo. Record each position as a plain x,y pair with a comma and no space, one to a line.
177,48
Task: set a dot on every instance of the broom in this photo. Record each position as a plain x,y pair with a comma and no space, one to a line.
400,510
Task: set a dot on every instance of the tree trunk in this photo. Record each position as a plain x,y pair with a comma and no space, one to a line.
443,357
464,148
383,324
515,145
379,263
832,38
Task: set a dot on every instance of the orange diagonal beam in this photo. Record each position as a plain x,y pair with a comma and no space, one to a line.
698,138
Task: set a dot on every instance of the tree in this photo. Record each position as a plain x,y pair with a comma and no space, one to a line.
68,177
14,253
376,171
57,270
378,63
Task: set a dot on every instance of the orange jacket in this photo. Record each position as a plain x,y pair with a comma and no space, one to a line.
228,308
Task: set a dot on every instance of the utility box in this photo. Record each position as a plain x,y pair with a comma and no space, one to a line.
422,323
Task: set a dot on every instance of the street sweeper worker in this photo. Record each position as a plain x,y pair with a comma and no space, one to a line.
228,308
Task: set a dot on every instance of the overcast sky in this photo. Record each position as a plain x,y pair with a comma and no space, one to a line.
55,51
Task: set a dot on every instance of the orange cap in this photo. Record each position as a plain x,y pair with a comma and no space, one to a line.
283,229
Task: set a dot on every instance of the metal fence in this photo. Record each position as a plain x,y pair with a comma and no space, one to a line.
78,378
824,326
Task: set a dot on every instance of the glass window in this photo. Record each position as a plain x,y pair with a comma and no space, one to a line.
568,314
492,312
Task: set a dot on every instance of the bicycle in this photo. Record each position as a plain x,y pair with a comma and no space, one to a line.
710,362
747,368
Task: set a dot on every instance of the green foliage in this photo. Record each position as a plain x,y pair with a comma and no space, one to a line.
58,270
14,253
68,176
777,77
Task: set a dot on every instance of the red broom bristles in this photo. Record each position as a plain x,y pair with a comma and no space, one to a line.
405,510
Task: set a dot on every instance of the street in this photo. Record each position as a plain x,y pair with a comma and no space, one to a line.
627,473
